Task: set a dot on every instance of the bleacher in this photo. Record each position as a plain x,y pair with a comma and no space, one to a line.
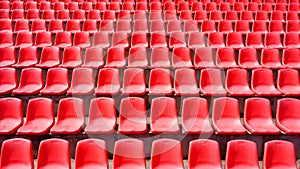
149,84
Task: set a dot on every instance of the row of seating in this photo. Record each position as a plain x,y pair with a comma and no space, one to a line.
195,118
153,6
165,153
160,82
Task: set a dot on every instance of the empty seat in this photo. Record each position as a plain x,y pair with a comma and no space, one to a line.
181,57
48,15
234,40
7,56
248,58
292,26
17,152
116,57
204,153
72,6
254,40
203,58
158,40
17,14
133,117
258,111
91,153
160,82
55,26
185,82
231,15
200,16
82,82
138,57
43,39
155,17
38,26
163,117
94,15
123,26
5,24
39,117
63,15
33,14
211,82
101,40
260,26
71,57
177,39
108,82
225,58
82,39
290,58
208,26
120,40
242,26
134,82
226,116
276,26
160,58
196,40
225,26
139,39
129,150
292,40
195,116
216,40
215,15
173,26
287,115
8,80
70,116
236,83
57,82
109,15
94,58
11,117
241,153
288,82
166,153
73,26
102,116
4,13
54,153
140,25
279,153
31,82
50,57
63,39
27,57
273,40
270,58
24,39
190,26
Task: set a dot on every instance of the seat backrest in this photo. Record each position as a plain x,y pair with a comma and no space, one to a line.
83,76
236,76
102,107
31,76
160,76
163,107
194,107
108,76
262,76
40,108
11,108
8,76
133,76
257,108
288,77
287,108
71,108
225,107
211,76
185,76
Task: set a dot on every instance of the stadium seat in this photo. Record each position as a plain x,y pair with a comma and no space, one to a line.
158,40
292,15
160,58
273,40
254,40
102,116
226,116
195,116
129,153
211,82
276,26
173,26
38,26
236,83
231,15
94,58
225,26
163,116
288,82
101,6
262,83
210,6
82,82
139,39
157,15
247,16
160,82
101,40
196,40
138,57
55,26
190,26
185,15
108,82
17,14
234,40
43,39
54,153
290,58
11,116
208,26
260,26
8,80
134,82
63,39
166,153
24,39
185,82
39,117
287,115
82,39
5,24
70,117
215,15
109,15
31,82
128,6
57,82
71,57
292,40
63,15
94,15
216,40
261,15
140,25
133,116
114,6
124,26
225,58
87,6
248,58
48,15
33,14
279,153
200,16
4,13
120,40
241,153
73,26
7,56
50,57
17,152
91,153
181,57
258,111
270,58
204,153
116,57
203,58
177,39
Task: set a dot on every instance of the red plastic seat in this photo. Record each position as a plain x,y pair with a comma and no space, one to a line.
102,116
114,6
139,39
190,26
196,40
160,58
242,26
257,112
18,153
4,13
58,6
236,83
288,82
116,57
128,6
210,6
231,15
225,26
287,115
254,40
21,25
238,6
195,116
157,15
157,26
101,40
185,82
208,26
270,58
17,14
91,153
38,26
140,25
224,7
262,83
63,15
292,26
63,39
158,40
28,57
134,82
260,26
108,82
107,26
82,82
125,15
8,80
109,15
6,39
226,116
216,40
94,58
278,16
216,16
55,26
50,57
292,15
203,58
39,117
33,14
173,26
276,26
31,82
90,26
43,39
11,116
57,82
7,56
273,40
263,14
160,82
48,15
211,82
204,153
177,40
155,6
5,24
72,6
4,5
17,5
71,57
280,6
133,117
70,116
279,153
138,57
225,58
94,15
292,40
24,39
163,116
290,58
141,6
73,26
82,39
248,58
169,6
166,153
87,6
200,16
181,57
241,153
293,6
247,16
185,15
101,6
234,40
54,153
120,40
